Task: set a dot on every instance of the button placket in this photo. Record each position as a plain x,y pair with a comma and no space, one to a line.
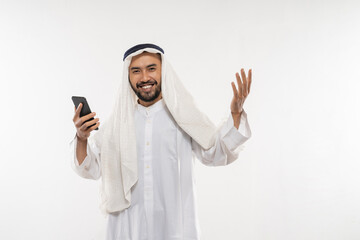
148,175
148,138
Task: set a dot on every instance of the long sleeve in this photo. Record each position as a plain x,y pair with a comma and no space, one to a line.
227,144
90,167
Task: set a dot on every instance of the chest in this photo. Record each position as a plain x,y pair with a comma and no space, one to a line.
156,134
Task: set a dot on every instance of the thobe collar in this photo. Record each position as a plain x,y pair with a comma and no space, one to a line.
148,111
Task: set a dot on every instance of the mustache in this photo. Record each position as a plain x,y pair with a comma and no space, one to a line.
140,84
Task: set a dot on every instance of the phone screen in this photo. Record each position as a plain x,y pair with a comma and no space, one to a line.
85,108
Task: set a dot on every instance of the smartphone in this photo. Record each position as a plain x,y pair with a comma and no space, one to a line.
85,108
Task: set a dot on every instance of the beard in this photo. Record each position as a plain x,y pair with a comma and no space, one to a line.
147,96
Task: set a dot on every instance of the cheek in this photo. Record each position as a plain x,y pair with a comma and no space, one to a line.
157,76
133,80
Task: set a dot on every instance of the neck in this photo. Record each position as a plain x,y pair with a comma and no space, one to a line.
148,104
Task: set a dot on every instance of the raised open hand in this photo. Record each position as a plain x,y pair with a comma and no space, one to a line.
240,94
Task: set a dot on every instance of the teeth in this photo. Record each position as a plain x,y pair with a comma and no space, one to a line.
147,86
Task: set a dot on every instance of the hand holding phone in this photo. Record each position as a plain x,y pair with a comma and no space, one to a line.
84,119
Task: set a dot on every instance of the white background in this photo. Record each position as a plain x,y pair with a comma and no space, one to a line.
298,177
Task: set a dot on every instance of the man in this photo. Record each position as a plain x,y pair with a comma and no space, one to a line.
144,151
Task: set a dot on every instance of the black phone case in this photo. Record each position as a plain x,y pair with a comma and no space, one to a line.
85,108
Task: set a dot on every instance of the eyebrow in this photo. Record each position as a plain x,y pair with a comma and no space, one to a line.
148,66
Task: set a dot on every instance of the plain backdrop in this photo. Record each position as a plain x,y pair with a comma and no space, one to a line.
298,176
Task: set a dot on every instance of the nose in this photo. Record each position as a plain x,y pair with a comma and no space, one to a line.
145,76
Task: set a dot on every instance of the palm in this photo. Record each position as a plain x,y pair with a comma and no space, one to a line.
240,94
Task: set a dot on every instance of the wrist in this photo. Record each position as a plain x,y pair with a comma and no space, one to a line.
236,118
236,113
81,140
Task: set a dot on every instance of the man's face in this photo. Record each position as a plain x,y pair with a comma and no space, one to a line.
145,77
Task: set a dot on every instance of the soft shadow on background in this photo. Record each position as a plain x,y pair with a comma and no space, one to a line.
298,177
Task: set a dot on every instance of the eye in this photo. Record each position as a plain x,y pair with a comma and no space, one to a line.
152,69
135,71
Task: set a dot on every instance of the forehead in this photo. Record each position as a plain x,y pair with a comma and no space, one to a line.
146,58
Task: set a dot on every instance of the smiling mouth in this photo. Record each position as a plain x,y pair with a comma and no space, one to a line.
146,85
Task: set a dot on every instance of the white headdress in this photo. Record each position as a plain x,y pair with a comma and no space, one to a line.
117,138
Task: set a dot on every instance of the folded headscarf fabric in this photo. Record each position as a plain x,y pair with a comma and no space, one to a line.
117,140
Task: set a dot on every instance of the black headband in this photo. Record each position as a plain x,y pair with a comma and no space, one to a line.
141,46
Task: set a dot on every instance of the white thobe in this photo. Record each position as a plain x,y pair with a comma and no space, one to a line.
163,201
